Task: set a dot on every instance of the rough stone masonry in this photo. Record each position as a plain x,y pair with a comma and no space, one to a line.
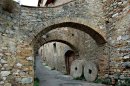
106,21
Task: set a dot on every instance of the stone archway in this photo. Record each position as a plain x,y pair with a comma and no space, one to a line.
39,44
43,42
43,24
74,48
54,51
34,22
96,34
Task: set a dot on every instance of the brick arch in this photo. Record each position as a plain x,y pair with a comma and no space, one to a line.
77,23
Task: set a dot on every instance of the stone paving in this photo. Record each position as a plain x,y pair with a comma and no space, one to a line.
50,77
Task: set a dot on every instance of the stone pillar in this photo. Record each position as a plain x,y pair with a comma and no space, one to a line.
23,71
8,46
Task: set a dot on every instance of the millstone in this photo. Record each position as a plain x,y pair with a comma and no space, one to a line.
76,68
90,71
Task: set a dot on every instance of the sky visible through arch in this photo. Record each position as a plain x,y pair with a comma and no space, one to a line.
28,2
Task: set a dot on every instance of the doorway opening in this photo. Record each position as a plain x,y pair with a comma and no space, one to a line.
69,58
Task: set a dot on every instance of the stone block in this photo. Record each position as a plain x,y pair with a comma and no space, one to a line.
8,54
26,68
25,53
29,58
19,65
1,82
0,66
24,62
30,67
7,84
3,61
1,54
5,73
27,80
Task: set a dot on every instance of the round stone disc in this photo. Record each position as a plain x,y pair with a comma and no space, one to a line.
76,68
90,71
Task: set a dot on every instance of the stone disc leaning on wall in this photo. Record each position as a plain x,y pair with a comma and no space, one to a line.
90,71
76,68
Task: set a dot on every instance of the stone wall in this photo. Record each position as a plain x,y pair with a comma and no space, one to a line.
8,46
39,19
86,45
20,32
27,24
16,66
117,14
53,57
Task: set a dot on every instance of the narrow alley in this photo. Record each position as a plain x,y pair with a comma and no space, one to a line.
64,42
54,78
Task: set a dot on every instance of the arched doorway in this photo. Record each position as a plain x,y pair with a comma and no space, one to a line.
69,58
98,36
40,40
70,55
55,51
